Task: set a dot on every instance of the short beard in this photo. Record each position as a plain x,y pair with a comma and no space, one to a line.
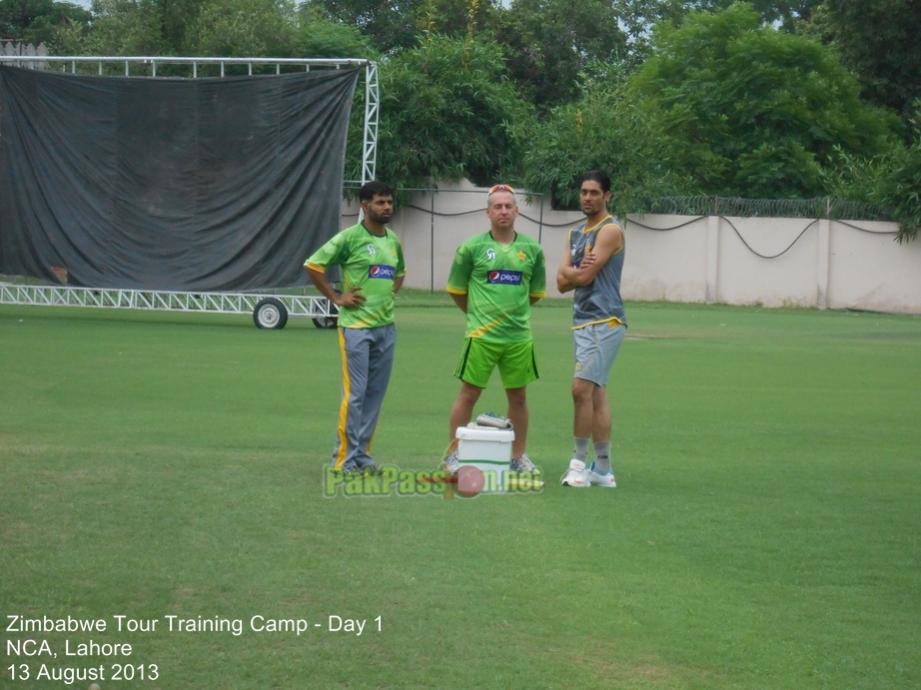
379,219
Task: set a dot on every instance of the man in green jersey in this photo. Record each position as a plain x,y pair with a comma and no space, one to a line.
494,280
371,260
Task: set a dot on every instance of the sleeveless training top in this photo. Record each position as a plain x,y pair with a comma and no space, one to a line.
599,301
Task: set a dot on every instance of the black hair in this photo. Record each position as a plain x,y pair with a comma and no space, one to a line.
598,176
369,189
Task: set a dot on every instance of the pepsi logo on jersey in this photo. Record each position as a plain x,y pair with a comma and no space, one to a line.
382,271
503,277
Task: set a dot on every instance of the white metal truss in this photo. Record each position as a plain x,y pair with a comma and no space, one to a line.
372,113
159,300
166,300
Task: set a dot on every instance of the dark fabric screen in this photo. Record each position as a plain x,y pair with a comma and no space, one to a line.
179,184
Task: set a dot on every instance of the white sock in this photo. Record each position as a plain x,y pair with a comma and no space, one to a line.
603,457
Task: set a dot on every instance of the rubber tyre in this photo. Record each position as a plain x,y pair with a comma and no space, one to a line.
270,313
326,321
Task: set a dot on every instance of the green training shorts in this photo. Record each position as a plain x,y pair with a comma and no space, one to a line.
516,362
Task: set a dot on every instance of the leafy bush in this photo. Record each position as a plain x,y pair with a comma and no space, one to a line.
891,181
752,111
448,111
603,130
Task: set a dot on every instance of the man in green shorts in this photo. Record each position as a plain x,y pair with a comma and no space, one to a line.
494,280
371,260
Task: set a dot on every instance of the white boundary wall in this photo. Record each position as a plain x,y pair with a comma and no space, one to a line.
829,265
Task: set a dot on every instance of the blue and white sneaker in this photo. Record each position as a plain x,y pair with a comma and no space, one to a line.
597,479
523,464
450,464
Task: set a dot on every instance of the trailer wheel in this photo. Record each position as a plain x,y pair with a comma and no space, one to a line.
326,321
270,313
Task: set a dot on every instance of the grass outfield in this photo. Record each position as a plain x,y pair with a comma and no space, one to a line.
765,533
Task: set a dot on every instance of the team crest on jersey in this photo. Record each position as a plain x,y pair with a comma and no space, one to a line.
382,271
372,250
503,277
490,254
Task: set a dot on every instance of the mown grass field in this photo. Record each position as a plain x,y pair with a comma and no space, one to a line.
765,533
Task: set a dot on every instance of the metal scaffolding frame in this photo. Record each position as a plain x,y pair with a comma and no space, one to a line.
269,311
159,300
372,113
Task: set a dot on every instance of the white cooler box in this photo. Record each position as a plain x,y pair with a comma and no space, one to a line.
488,449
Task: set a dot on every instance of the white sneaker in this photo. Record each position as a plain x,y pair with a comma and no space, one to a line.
605,480
576,475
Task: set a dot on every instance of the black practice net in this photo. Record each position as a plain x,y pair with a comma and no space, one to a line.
177,184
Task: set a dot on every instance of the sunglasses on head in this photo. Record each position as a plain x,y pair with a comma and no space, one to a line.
501,188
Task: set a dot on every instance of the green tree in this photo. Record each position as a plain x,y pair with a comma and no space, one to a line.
879,40
549,42
318,36
132,27
449,110
891,180
456,17
790,13
242,28
605,130
389,24
189,27
787,14
393,25
752,111
637,17
35,21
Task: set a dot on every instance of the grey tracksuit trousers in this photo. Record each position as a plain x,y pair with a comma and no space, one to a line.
367,358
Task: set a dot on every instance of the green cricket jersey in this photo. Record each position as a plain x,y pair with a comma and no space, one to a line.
499,281
371,262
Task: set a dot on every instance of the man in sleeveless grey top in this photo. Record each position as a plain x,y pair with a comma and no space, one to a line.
592,266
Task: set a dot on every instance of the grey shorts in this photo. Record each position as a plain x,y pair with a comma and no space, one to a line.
596,348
